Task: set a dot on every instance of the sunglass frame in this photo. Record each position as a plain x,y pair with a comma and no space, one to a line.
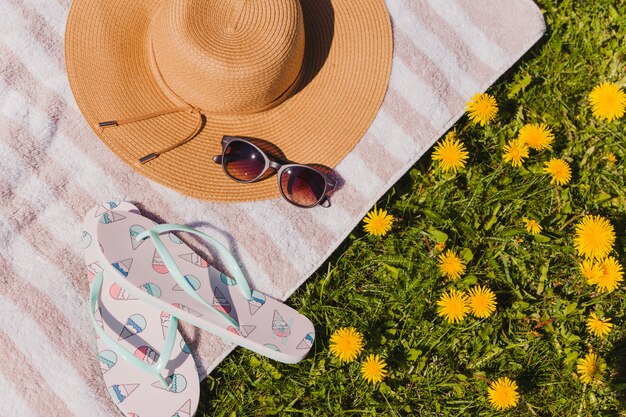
278,166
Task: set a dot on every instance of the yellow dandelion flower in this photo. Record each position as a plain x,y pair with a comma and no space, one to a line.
611,159
346,344
608,101
373,369
536,136
590,270
450,153
450,265
559,169
594,237
597,326
482,301
590,368
503,394
611,275
482,108
378,223
514,152
532,226
439,247
453,306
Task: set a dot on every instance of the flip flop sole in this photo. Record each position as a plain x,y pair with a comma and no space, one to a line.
267,326
140,328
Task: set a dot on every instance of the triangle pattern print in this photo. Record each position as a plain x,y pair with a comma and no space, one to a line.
175,383
133,232
280,326
258,300
244,331
111,217
194,259
220,302
123,266
122,391
134,325
307,342
184,410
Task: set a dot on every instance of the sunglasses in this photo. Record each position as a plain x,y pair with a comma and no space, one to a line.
301,185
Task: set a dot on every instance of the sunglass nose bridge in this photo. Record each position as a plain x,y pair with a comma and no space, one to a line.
275,165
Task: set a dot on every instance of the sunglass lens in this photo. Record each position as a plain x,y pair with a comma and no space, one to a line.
302,185
243,161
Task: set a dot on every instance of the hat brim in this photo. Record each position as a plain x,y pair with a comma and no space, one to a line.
349,42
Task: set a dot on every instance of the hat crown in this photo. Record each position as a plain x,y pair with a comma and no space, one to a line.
228,56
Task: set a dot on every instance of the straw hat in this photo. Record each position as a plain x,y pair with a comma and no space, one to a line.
307,76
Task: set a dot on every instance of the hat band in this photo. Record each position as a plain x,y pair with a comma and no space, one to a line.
186,107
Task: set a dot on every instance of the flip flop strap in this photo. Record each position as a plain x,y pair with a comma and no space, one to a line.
169,262
165,353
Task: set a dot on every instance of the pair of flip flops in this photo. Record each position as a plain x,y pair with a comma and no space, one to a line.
143,279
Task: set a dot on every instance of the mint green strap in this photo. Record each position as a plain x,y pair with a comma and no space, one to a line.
169,262
165,354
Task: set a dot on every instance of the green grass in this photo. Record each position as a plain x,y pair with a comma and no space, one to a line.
387,287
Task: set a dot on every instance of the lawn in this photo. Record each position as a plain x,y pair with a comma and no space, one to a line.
387,287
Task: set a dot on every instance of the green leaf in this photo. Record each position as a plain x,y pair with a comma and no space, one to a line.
437,235
393,271
520,85
466,254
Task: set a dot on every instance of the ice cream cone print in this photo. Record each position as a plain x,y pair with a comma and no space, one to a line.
123,266
157,264
111,217
195,259
152,289
134,325
243,331
271,346
133,232
147,354
92,270
227,280
119,293
100,210
192,281
120,392
280,326
307,342
184,410
175,383
220,302
107,359
85,240
165,322
187,309
257,302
